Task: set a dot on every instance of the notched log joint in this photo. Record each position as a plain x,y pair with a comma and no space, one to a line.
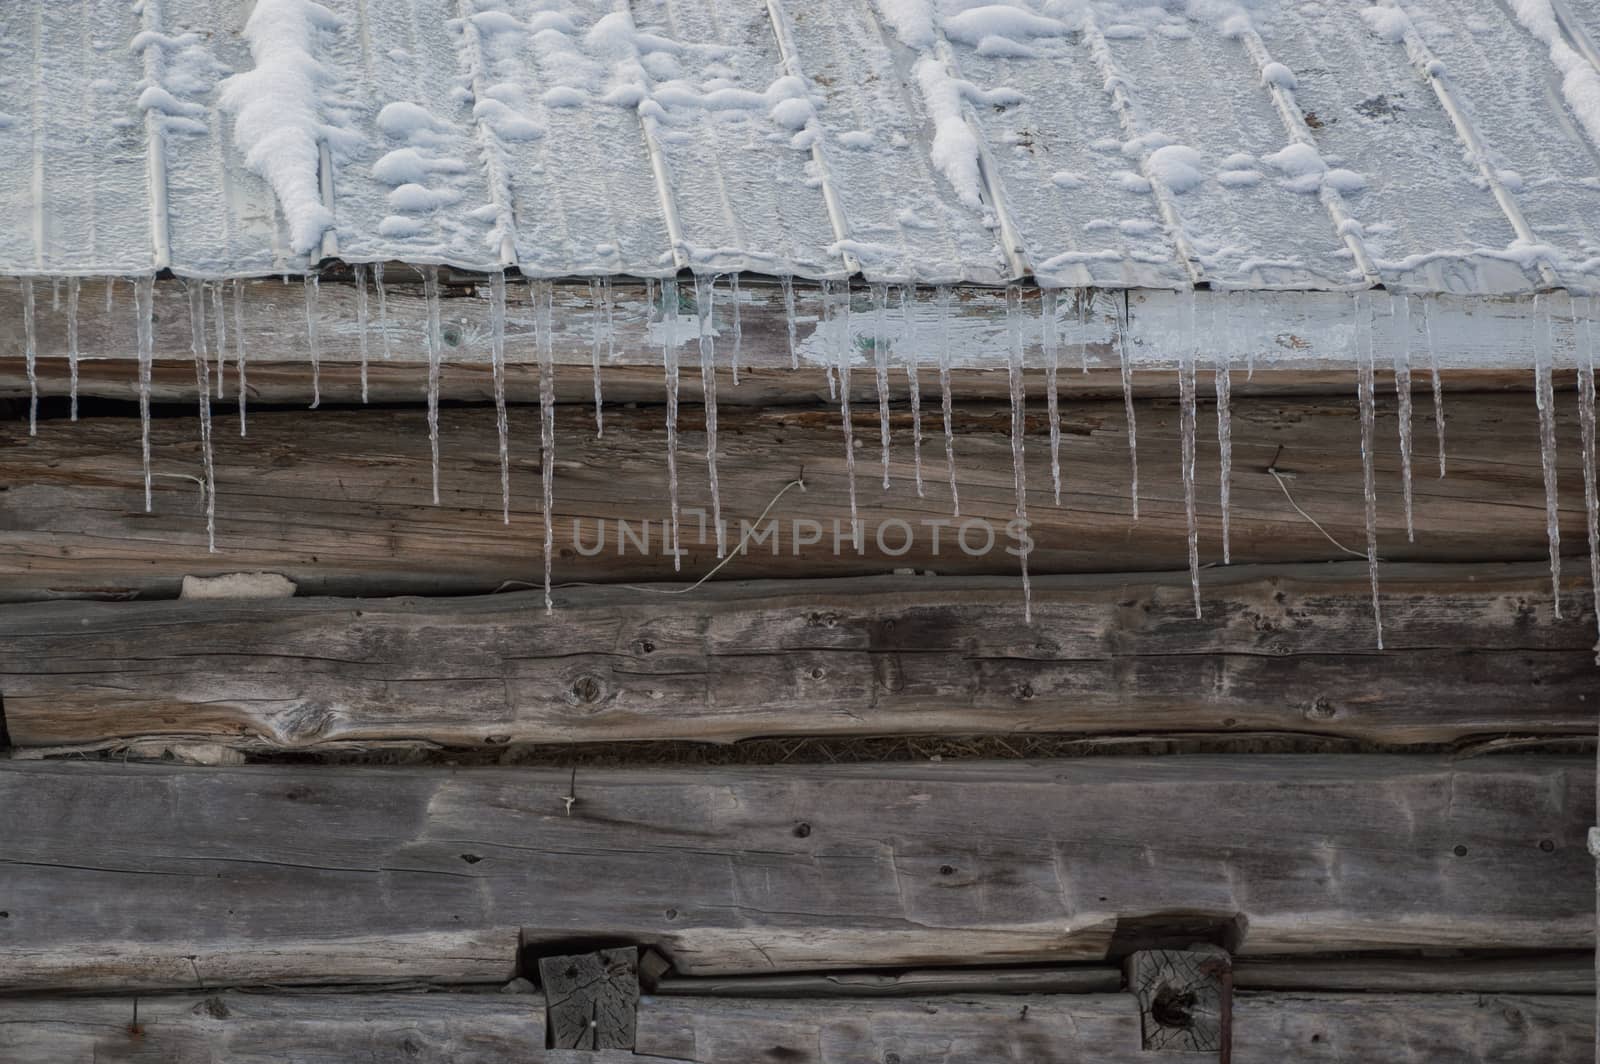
591,999
1185,999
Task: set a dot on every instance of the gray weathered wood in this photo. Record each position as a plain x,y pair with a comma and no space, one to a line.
1416,1029
164,876
1471,651
236,1028
1558,973
591,999
1034,979
1184,999
340,501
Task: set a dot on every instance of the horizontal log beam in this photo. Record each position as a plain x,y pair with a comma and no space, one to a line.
509,1029
150,876
340,501
1469,654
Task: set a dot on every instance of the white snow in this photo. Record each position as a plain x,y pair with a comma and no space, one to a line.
1580,81
1390,23
974,24
955,147
1177,166
911,20
1279,75
279,118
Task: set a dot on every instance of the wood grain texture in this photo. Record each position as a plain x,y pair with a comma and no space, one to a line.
1550,973
143,876
236,1028
1472,651
340,503
1411,1029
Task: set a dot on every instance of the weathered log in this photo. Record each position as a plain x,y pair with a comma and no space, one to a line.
1292,341
1032,979
239,1028
591,999
340,501
145,876
1549,973
1471,651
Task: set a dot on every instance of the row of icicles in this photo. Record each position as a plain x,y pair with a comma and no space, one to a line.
835,324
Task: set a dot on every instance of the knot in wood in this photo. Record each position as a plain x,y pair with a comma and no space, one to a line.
587,690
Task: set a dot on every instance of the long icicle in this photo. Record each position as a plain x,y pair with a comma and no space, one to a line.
840,320
1402,391
1188,351
202,382
1591,490
238,347
1365,373
1127,402
219,322
497,361
1224,389
738,325
669,362
909,349
1438,387
1052,400
1019,472
430,295
600,308
788,314
705,303
144,294
943,294
30,355
543,298
880,358
111,293
313,290
73,286
1544,396
1085,297
383,307
361,323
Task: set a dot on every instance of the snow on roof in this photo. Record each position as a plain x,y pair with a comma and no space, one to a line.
1435,145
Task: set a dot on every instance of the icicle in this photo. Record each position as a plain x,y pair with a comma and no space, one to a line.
880,358
600,315
840,317
111,293
430,295
55,295
1188,352
219,322
944,395
238,347
1224,388
202,383
497,361
908,346
705,301
313,290
1127,403
1250,348
1438,388
1085,297
1402,391
361,322
543,298
738,326
1591,490
1019,471
383,307
611,343
788,315
30,355
1544,395
72,342
1365,396
831,327
1052,358
669,361
144,293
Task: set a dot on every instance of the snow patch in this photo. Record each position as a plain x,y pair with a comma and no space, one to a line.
1177,166
911,20
1067,179
1279,75
1580,81
278,111
1388,23
974,24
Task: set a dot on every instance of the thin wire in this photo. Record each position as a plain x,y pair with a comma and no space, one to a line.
1308,517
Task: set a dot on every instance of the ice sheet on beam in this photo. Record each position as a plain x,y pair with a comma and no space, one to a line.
1202,90
1513,96
1058,162
75,195
905,221
743,193
1427,218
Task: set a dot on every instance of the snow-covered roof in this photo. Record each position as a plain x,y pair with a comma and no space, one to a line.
1446,145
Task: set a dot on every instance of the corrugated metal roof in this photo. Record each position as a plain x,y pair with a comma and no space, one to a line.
1445,145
